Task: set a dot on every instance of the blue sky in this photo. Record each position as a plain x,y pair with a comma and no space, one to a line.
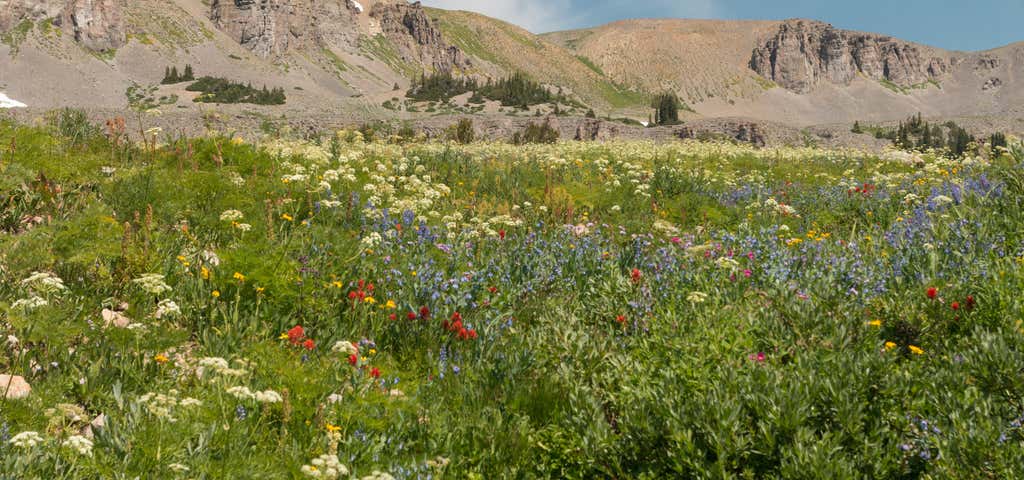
951,24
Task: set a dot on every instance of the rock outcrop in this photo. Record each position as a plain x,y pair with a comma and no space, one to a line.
740,131
592,129
803,54
272,28
417,38
95,24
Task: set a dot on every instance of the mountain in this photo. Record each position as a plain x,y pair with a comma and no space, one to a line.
353,60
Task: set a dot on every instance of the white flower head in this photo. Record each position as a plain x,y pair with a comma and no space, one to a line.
79,444
152,283
26,440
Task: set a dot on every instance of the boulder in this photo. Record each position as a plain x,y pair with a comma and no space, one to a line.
14,387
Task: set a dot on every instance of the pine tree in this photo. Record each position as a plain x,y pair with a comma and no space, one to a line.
174,75
857,128
188,76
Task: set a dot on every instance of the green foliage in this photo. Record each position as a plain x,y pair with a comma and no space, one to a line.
640,310
666,109
462,132
220,90
517,90
536,133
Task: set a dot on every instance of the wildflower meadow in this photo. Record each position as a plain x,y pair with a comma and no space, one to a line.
334,308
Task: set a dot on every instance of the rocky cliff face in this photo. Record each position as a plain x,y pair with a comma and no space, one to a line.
95,24
803,54
416,36
272,28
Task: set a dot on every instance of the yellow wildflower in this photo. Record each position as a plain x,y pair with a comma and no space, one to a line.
287,218
875,323
333,428
370,300
161,359
205,272
390,304
239,277
915,350
283,336
260,290
216,294
890,345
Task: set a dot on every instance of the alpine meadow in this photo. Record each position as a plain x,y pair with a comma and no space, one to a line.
377,240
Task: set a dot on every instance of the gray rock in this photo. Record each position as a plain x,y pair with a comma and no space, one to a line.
95,24
803,54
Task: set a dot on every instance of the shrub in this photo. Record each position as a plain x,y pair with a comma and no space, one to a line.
536,133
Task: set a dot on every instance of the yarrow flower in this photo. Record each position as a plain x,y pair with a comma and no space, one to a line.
152,283
79,444
326,467
231,216
167,308
26,440
45,283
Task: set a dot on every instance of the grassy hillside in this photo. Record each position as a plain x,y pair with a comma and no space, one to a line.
330,308
507,48
698,59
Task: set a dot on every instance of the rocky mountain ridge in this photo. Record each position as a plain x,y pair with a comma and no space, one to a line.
802,54
95,24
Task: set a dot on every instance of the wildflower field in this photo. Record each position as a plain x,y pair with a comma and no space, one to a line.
212,308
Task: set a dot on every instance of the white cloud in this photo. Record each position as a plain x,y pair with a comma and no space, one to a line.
549,15
533,15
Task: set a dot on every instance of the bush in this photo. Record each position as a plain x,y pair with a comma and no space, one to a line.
462,132
536,133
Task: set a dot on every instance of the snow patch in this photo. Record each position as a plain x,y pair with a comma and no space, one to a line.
8,102
357,5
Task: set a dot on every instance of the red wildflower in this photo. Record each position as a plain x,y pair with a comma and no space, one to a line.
361,283
375,372
955,306
369,287
456,325
620,319
411,315
352,295
932,292
353,359
760,357
501,234
970,302
463,334
472,334
296,334
308,344
424,312
392,317
636,275
493,290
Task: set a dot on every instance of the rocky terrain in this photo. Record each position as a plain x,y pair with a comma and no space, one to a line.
343,59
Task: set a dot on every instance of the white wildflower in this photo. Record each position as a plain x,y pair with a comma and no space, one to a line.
26,440
152,283
325,466
268,396
167,308
231,216
345,348
45,283
31,303
79,444
241,393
